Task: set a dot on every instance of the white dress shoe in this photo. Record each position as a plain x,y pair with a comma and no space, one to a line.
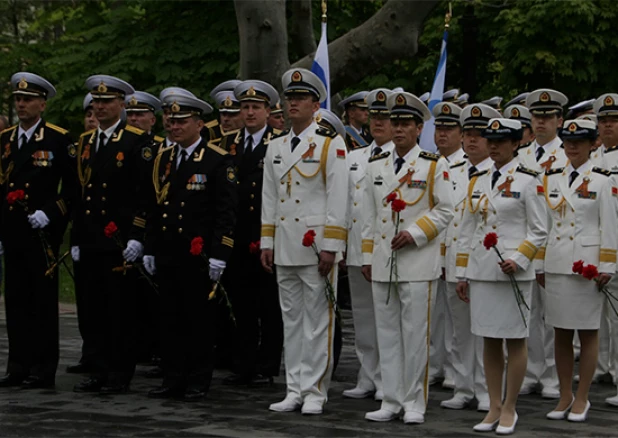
357,393
413,418
550,393
483,406
579,418
527,389
612,400
379,395
507,430
311,408
456,402
286,405
560,415
448,384
486,427
381,415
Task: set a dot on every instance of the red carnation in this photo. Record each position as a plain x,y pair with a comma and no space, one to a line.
14,196
110,230
254,247
391,197
309,238
590,272
398,205
491,240
197,244
578,267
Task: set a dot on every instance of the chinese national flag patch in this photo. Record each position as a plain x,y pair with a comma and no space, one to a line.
340,153
446,175
540,190
614,191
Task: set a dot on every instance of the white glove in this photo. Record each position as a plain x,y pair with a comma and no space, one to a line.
75,253
149,264
38,219
1,249
216,268
134,251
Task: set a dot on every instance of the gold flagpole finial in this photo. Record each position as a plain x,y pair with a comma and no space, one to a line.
448,16
324,11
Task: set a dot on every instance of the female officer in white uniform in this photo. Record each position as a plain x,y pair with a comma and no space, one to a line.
582,203
501,200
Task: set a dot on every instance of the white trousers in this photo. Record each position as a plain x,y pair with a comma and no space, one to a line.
365,335
541,361
308,328
441,346
467,351
403,338
612,320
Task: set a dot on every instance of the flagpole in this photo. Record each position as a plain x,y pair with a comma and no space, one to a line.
320,64
324,9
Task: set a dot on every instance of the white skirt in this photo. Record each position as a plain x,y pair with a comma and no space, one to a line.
494,311
572,302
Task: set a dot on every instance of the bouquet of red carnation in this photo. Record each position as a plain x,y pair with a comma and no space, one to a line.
397,206
590,272
19,197
254,247
329,291
197,249
111,232
490,241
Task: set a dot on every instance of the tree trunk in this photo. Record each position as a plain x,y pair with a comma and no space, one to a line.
262,28
300,27
392,33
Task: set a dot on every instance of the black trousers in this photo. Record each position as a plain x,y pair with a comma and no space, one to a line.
84,322
187,325
255,299
148,330
31,301
111,306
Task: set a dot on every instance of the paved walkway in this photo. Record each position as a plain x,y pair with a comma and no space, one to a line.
241,412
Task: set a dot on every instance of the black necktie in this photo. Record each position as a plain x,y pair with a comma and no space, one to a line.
398,163
102,138
376,151
249,147
539,153
183,158
573,177
295,142
494,178
471,171
22,140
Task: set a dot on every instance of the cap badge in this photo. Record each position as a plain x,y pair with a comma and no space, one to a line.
133,101
381,97
514,112
401,99
318,118
251,91
22,84
476,112
102,88
227,102
609,101
544,97
278,106
175,107
572,127
446,109
297,77
495,125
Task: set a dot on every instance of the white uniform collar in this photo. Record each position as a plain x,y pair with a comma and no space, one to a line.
311,128
257,137
548,146
109,131
29,132
456,156
586,167
506,168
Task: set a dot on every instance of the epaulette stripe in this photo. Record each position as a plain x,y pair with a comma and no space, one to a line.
56,128
217,149
212,123
555,171
457,165
8,129
88,133
601,171
479,173
281,134
379,156
133,129
429,156
326,132
612,149
525,170
158,139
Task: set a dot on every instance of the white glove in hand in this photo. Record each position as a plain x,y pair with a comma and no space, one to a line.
75,253
38,219
216,268
149,264
134,251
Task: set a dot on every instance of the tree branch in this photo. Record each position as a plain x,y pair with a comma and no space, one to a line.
300,27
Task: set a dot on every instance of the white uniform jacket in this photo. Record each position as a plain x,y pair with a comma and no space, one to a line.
424,183
514,211
584,219
358,161
305,189
553,157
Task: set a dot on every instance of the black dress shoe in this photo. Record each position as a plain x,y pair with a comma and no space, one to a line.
11,380
36,382
165,392
154,373
114,389
91,385
261,380
79,368
194,394
236,380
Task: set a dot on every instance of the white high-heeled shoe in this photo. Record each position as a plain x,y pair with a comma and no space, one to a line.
486,427
504,430
579,418
560,415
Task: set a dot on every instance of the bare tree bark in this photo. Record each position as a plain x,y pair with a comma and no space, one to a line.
392,33
262,30
300,27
